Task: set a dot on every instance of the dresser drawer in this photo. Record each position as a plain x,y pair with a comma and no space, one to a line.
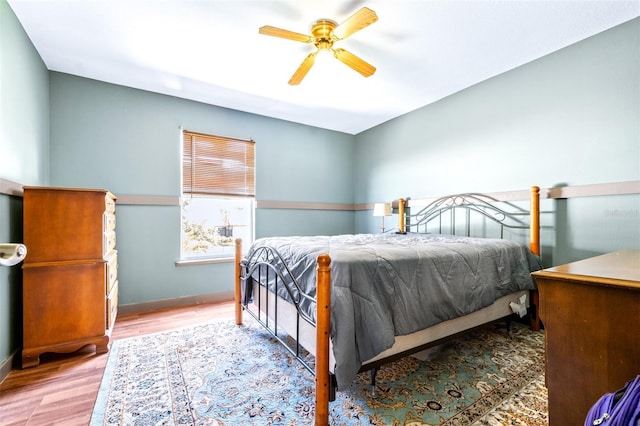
61,302
109,242
109,222
112,271
112,306
65,224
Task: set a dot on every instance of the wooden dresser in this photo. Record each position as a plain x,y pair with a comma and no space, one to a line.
591,313
70,285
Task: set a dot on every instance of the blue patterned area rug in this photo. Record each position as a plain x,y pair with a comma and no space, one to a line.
222,374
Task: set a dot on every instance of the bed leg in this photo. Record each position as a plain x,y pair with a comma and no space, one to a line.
333,386
534,297
238,289
374,372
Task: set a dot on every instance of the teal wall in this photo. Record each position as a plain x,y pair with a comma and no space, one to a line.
129,141
24,141
569,118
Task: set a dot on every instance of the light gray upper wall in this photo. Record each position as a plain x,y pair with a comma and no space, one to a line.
128,141
24,105
24,154
572,117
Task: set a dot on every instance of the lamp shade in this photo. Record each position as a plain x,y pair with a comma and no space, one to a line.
382,209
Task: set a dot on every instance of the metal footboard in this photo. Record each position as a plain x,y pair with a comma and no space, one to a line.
265,275
264,278
250,271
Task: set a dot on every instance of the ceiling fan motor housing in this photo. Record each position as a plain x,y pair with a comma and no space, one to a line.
321,31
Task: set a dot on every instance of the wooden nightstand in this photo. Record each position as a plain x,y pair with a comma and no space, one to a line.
591,313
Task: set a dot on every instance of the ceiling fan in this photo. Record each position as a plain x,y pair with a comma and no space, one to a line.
325,32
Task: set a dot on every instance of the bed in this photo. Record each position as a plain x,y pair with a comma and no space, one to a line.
356,302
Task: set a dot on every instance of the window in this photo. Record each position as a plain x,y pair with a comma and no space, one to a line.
218,190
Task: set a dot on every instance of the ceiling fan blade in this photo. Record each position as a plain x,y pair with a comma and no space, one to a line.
362,18
303,69
354,62
290,35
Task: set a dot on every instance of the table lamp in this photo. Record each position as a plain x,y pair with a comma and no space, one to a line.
382,210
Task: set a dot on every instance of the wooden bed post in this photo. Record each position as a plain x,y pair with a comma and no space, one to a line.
534,226
401,220
534,245
238,290
323,321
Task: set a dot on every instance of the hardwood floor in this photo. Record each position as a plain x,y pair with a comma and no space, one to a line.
63,388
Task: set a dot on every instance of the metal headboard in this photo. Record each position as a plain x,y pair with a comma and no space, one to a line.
445,213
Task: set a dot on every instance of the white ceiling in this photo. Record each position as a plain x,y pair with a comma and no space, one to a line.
210,50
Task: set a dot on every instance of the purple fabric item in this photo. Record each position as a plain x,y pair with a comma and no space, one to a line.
620,408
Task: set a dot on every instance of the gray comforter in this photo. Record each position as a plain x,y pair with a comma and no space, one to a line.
386,285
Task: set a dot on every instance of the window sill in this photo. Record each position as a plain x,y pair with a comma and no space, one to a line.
194,262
